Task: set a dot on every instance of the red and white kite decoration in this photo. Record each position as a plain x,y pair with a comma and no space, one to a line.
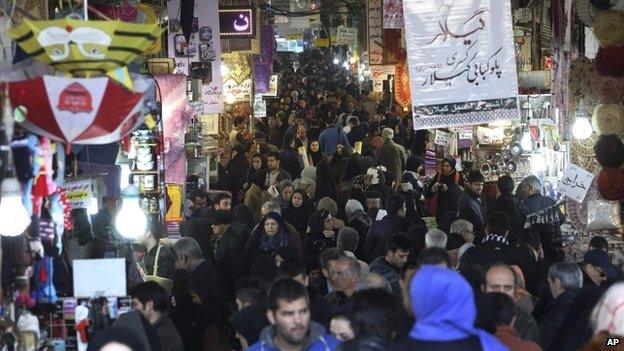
80,110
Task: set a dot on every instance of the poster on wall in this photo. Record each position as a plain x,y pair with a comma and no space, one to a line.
78,193
461,60
393,14
575,183
379,74
375,32
200,57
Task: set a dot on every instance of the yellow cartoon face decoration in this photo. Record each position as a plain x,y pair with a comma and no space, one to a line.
85,48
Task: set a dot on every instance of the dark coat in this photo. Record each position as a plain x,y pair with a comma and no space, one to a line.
168,334
471,205
379,231
192,319
485,255
315,242
236,174
386,270
252,249
223,252
552,319
289,161
356,134
166,261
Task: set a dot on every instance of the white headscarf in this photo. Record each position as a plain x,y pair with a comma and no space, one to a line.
608,315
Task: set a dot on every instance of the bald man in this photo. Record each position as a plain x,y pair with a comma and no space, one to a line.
501,278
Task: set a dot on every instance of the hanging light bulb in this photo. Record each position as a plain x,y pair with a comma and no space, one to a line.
131,221
345,65
582,128
353,60
336,61
14,218
93,206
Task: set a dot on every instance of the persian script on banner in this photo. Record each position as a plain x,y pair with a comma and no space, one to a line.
461,62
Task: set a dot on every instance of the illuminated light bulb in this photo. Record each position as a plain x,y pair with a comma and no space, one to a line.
224,70
582,128
345,65
336,61
352,60
14,218
131,221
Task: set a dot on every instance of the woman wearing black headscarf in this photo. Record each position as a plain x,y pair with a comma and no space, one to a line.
321,235
446,190
325,186
270,235
299,210
314,152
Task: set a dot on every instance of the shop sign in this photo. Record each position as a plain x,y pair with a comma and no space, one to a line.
201,55
294,35
575,183
321,42
346,36
393,14
300,22
461,60
442,138
239,92
259,106
78,193
379,74
375,32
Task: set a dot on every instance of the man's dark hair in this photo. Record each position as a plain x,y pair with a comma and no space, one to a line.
155,228
274,154
375,313
498,223
151,291
220,196
506,184
502,308
330,254
251,290
398,241
199,193
285,289
291,269
433,256
394,204
238,120
531,237
599,242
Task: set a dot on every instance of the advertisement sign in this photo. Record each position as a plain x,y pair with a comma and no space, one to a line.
461,60
346,36
78,193
200,57
393,14
375,32
575,183
379,74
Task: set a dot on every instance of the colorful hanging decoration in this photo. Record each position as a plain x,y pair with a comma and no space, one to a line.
85,48
79,110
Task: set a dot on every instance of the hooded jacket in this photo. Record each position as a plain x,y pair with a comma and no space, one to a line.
443,304
317,340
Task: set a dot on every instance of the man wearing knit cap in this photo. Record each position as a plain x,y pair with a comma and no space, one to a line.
470,206
390,154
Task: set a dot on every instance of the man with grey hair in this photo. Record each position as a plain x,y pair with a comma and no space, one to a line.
435,238
535,201
270,206
374,281
200,300
565,280
344,276
466,230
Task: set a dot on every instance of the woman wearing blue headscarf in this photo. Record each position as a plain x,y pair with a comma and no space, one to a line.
444,307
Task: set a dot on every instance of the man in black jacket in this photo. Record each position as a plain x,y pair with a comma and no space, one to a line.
200,302
395,206
494,247
391,265
470,205
565,280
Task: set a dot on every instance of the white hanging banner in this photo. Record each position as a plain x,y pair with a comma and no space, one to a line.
575,183
375,32
461,61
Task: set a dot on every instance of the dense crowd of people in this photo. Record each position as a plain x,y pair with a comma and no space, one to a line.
320,243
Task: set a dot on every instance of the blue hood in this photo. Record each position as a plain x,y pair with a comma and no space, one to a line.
444,307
